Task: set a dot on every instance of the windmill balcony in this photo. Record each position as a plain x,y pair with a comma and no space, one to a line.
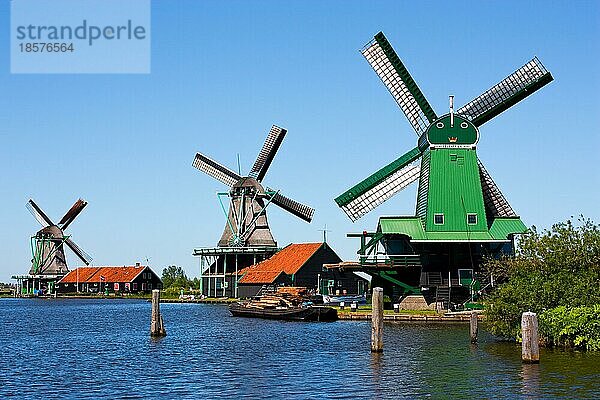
392,262
438,279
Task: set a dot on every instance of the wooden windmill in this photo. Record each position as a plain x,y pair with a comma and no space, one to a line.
461,214
247,223
48,243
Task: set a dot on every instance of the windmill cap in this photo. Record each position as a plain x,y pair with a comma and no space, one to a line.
248,182
460,134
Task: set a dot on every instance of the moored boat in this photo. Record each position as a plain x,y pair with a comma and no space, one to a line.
289,303
303,313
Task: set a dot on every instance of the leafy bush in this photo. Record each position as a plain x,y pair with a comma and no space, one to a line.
577,327
558,267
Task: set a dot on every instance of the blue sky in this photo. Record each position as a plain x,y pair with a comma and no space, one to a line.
224,72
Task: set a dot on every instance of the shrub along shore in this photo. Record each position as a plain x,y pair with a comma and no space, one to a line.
556,274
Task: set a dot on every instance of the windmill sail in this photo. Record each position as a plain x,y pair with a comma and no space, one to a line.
495,203
72,213
380,186
394,75
216,170
267,153
298,209
508,92
38,214
83,256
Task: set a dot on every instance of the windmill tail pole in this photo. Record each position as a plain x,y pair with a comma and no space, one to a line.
157,327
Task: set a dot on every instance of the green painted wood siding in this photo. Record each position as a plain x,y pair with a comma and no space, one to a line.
502,228
455,191
421,211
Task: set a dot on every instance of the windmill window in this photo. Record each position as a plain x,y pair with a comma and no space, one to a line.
472,219
440,125
464,125
438,219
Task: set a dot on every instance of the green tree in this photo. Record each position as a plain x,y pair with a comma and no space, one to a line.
175,277
557,267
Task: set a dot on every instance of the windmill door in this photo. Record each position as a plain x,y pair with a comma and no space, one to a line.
465,277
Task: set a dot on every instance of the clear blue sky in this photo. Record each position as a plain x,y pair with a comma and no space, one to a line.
223,72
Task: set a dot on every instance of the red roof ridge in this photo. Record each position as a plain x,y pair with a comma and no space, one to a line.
124,273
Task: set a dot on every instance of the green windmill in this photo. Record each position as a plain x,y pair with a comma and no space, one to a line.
461,215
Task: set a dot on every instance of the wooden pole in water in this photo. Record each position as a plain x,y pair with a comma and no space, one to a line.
473,327
530,350
377,321
157,327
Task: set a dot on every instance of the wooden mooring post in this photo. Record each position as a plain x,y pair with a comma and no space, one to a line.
377,320
473,327
530,350
157,326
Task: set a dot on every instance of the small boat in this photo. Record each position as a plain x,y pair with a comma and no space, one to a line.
336,300
288,303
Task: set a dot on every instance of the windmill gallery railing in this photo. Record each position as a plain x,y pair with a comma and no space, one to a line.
391,261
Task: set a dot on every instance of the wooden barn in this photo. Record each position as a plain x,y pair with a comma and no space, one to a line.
298,264
119,280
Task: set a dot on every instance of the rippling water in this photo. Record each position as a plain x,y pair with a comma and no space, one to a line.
102,349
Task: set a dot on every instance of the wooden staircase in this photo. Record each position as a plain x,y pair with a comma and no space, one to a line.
442,295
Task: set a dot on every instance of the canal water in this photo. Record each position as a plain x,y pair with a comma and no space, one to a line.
102,349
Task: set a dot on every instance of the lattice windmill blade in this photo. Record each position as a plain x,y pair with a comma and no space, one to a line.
380,186
214,169
298,209
72,213
267,153
83,256
508,92
38,214
494,201
394,75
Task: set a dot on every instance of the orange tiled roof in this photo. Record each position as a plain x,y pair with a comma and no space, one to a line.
258,276
110,274
288,260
